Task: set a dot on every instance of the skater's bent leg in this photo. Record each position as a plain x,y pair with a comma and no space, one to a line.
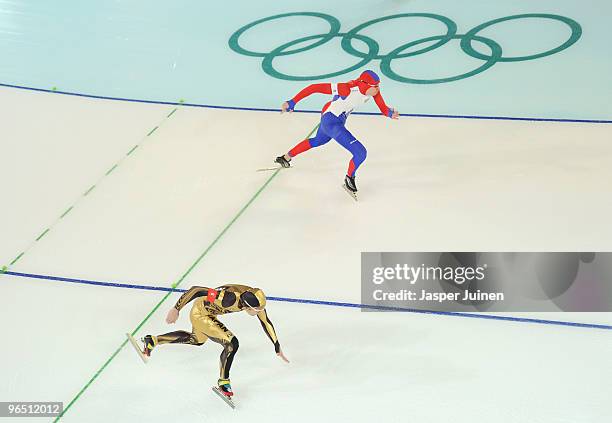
178,337
217,332
319,139
348,141
225,364
227,357
359,155
299,148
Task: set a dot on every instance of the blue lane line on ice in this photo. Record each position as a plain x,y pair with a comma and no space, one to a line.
255,109
320,302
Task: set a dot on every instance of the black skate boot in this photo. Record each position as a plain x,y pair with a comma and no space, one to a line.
281,160
148,346
350,186
349,182
225,387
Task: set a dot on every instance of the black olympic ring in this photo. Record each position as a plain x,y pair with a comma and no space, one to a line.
399,52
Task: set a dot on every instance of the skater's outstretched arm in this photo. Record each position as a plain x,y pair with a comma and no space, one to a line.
267,326
342,89
384,109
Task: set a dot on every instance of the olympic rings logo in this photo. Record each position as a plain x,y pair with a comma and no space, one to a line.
399,52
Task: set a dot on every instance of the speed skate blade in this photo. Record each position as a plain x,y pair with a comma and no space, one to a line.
351,193
143,357
265,169
224,397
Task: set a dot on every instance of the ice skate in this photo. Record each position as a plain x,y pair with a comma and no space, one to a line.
283,164
147,345
350,186
145,352
225,387
281,160
224,391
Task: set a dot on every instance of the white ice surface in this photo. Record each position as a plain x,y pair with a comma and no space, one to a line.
54,148
345,365
428,184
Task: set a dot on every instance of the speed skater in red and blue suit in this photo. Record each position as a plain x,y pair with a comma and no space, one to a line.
346,97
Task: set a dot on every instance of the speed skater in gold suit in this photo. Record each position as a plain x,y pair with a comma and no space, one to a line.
208,304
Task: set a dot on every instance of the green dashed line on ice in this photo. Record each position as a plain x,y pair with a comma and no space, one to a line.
66,212
43,234
86,193
16,259
132,150
89,190
111,169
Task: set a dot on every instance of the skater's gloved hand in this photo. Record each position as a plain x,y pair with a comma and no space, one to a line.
282,356
172,316
288,106
393,114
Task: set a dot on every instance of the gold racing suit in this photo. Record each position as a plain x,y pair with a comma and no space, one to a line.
208,304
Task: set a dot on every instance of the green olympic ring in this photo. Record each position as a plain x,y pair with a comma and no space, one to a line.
466,43
451,30
496,54
266,64
386,59
334,29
